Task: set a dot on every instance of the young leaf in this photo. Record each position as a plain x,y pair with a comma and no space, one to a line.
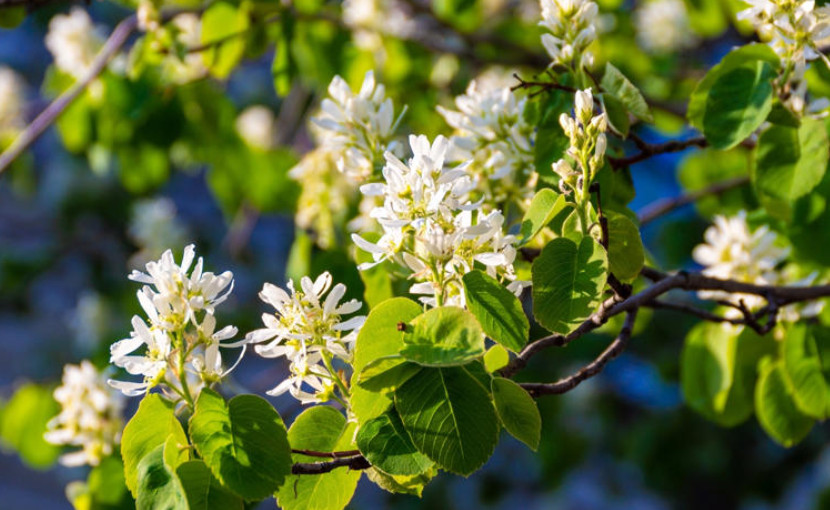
321,429
203,490
625,248
568,280
444,336
517,411
449,417
387,446
617,115
401,484
243,442
496,358
616,85
735,96
221,25
497,309
807,364
790,162
775,406
158,486
545,205
380,336
151,426
387,373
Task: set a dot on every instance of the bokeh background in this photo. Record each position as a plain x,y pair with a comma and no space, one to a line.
71,228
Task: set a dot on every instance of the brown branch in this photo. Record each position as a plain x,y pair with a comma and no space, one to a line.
33,131
327,455
650,150
591,369
355,463
776,296
666,205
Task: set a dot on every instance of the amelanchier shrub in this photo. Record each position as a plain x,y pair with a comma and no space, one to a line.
462,243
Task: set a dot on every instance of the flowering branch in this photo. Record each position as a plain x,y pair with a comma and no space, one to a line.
591,369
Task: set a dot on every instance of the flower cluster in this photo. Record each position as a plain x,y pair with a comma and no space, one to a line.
370,19
181,344
183,66
796,30
432,229
734,251
572,26
308,329
587,144
74,42
11,105
663,26
90,416
492,133
359,127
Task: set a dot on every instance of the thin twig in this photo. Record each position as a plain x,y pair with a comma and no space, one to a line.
650,150
114,43
355,463
591,369
666,205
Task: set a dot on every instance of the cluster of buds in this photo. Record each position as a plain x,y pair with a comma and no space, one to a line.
308,329
588,142
90,416
572,26
181,344
796,30
493,134
432,230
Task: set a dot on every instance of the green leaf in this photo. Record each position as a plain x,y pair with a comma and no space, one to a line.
23,423
158,486
203,490
321,429
444,336
496,358
735,96
401,484
449,417
546,204
283,67
387,446
718,371
517,411
806,353
243,442
568,281
105,487
11,17
378,337
775,406
790,162
150,427
617,115
616,85
625,248
551,142
221,25
387,373
175,452
497,309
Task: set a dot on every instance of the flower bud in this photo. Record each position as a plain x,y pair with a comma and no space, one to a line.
602,144
563,168
584,105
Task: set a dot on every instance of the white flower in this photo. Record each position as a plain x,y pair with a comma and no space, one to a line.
733,251
177,295
663,26
359,126
90,416
493,133
154,226
11,104
257,127
152,364
187,29
74,42
308,329
370,19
